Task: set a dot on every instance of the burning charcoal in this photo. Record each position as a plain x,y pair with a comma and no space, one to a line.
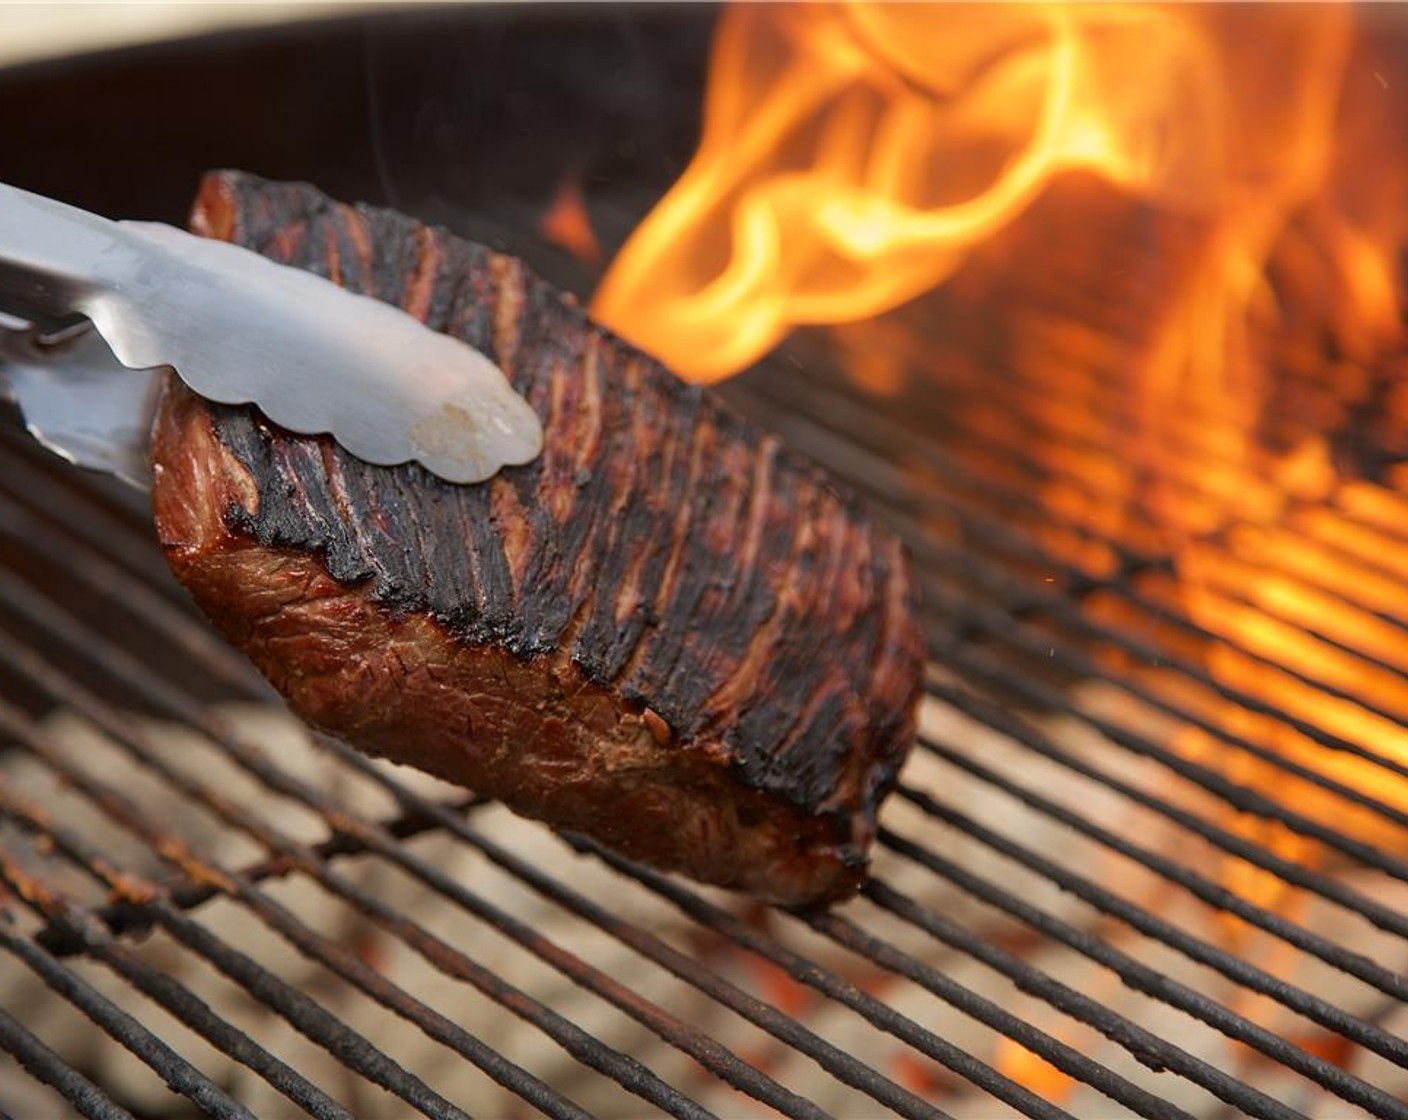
669,632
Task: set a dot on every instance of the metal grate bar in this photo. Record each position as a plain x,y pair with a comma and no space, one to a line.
629,1073
197,1015
1034,642
994,1016
989,429
21,529
186,894
1058,1053
1154,1052
178,1074
837,411
1005,625
1068,612
1391,921
1051,1049
104,525
1240,797
998,538
710,1054
865,456
846,932
310,1020
834,987
1149,981
298,1010
1035,405
79,926
878,478
841,1065
111,658
44,1065
1351,517
1393,984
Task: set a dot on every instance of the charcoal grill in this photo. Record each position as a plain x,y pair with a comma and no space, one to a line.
1073,912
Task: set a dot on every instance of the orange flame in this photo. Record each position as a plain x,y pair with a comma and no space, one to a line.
566,224
854,154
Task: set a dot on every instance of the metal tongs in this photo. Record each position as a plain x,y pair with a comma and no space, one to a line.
92,312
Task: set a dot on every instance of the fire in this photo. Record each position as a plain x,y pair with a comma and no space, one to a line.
1218,198
854,155
566,224
858,156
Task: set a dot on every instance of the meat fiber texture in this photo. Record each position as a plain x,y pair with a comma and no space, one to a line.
668,632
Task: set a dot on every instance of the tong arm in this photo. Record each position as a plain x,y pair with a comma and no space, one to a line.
55,260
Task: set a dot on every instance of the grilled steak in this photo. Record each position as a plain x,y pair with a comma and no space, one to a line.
668,632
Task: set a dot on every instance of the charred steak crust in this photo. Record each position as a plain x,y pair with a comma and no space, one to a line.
668,632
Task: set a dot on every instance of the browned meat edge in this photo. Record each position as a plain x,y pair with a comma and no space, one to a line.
668,632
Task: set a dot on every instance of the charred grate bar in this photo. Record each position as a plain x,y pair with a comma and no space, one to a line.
831,432
44,1065
179,1074
1074,909
981,619
50,520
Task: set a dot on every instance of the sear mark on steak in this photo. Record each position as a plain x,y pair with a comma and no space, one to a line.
669,632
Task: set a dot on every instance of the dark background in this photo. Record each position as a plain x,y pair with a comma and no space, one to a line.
471,117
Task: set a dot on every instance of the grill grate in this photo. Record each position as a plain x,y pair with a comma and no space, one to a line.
1057,877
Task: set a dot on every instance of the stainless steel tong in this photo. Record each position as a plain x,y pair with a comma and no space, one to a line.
92,311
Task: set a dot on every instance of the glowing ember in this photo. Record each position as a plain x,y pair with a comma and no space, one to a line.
1033,1071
